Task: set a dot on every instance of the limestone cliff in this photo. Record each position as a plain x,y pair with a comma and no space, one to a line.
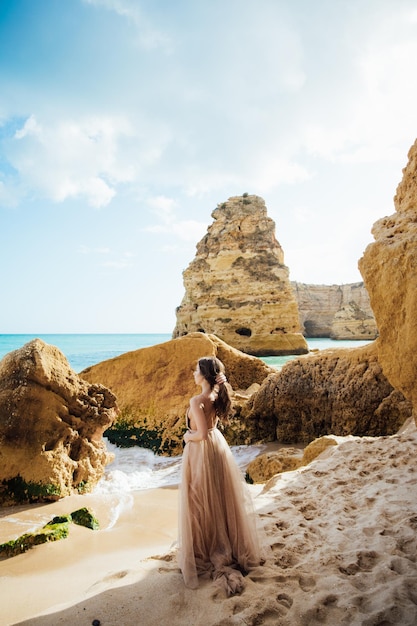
237,287
336,311
51,426
389,269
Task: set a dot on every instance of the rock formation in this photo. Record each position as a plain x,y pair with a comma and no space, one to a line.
336,311
154,386
266,465
339,392
51,426
237,286
389,269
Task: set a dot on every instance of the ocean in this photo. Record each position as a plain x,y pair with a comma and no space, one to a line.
135,469
83,350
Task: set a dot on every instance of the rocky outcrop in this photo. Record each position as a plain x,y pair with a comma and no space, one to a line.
339,392
154,386
237,287
336,311
51,426
389,269
265,466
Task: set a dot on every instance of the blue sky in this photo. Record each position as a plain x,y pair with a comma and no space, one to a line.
123,123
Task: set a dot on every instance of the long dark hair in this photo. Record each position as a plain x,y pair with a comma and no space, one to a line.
210,367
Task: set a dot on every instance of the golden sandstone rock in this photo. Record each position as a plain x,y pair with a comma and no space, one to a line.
266,465
237,287
154,385
339,392
389,269
51,426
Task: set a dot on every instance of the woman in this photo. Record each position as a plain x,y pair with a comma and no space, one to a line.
217,530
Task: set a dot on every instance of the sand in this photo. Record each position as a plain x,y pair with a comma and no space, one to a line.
341,547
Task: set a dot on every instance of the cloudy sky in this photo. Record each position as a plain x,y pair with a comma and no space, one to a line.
123,123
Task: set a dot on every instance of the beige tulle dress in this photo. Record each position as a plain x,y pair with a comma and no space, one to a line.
217,524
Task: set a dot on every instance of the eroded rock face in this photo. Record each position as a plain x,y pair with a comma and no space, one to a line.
237,286
154,386
339,392
389,269
51,426
336,311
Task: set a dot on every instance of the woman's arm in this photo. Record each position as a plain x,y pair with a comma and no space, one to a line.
200,433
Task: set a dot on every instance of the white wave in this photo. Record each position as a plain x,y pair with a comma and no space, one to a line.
136,469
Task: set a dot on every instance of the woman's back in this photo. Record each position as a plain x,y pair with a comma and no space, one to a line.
206,404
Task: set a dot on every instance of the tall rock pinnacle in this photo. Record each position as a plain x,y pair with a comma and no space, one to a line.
237,287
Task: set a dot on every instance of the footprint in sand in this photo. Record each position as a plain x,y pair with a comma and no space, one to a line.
307,583
116,576
286,560
309,511
365,562
285,600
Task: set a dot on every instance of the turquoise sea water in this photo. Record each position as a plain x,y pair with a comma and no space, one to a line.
83,350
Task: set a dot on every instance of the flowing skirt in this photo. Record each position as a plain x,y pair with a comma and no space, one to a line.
217,523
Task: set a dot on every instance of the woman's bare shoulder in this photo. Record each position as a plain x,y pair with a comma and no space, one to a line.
198,401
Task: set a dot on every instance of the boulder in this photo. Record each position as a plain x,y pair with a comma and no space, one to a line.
339,392
51,426
389,269
268,464
154,386
237,287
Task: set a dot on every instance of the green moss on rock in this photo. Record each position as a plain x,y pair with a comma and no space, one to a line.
18,490
50,532
128,437
57,528
85,517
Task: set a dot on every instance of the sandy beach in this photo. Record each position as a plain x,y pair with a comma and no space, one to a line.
340,536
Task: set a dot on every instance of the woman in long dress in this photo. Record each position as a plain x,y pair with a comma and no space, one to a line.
217,528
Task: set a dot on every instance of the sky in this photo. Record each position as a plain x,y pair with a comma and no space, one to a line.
124,123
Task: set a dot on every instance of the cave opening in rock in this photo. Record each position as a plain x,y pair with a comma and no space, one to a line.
246,332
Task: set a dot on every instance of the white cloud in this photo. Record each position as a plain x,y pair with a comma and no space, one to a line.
72,159
189,230
163,208
273,171
148,36
375,112
30,127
